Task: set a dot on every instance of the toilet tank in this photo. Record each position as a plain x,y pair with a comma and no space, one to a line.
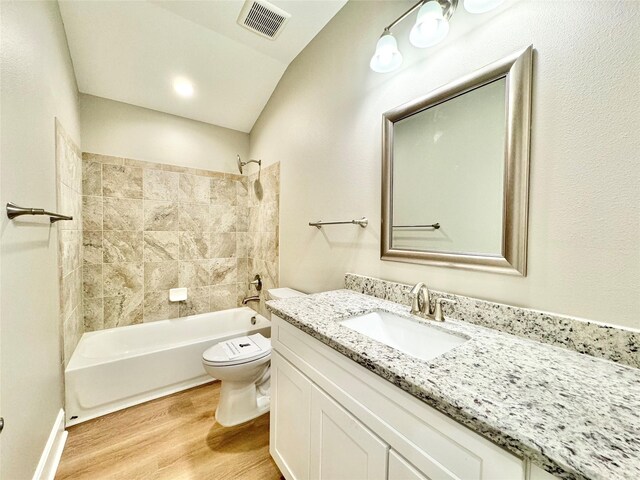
280,293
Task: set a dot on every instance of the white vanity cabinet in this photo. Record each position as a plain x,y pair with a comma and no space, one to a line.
314,437
332,419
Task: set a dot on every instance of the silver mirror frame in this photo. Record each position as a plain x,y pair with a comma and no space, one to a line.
517,70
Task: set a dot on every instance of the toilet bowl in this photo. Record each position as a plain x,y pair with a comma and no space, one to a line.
244,391
242,366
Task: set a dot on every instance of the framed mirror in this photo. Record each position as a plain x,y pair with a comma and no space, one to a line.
455,172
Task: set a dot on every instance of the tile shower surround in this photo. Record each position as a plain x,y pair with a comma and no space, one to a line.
69,202
149,227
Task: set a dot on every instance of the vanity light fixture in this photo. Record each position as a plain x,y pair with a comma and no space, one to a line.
183,87
387,57
431,27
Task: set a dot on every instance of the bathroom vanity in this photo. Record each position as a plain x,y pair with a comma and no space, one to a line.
333,419
347,407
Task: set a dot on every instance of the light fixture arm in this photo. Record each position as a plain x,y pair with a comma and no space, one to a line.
448,7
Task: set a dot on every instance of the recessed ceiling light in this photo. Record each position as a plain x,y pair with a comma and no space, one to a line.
183,87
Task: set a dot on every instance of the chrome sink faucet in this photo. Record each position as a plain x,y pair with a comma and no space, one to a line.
421,303
420,300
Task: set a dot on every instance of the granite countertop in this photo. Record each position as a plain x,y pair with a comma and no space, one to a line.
572,414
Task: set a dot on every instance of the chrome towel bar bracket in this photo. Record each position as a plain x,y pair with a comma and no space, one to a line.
363,222
14,211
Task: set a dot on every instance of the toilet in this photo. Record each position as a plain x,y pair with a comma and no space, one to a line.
242,365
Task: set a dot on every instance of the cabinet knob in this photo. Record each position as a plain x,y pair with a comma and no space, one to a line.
1,424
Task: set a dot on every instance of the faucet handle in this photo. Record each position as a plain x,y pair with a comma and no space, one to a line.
439,315
256,282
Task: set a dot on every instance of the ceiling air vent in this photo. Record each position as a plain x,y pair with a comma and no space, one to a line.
263,18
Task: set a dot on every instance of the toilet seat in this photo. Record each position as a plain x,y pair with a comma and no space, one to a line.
229,352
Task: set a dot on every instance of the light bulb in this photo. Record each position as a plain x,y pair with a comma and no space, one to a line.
431,27
481,6
183,87
387,57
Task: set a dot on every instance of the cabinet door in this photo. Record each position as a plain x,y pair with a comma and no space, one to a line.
342,448
290,419
400,469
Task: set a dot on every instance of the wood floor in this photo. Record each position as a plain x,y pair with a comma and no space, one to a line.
175,437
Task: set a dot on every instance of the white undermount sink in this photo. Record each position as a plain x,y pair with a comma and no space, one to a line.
413,338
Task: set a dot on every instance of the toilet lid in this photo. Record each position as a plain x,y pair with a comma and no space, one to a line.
238,350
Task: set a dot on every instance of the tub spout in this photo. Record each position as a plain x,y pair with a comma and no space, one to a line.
254,298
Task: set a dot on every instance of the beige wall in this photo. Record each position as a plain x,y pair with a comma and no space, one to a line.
323,123
38,85
123,130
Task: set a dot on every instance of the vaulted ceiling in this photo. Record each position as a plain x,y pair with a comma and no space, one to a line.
133,51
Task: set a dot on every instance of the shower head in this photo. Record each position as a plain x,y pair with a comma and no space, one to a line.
242,164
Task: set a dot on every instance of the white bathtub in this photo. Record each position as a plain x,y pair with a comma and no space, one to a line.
120,367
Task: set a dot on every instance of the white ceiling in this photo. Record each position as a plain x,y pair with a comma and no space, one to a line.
131,51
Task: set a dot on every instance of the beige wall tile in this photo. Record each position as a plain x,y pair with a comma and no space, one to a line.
242,248
122,279
194,217
69,203
122,214
194,246
223,245
68,160
160,185
92,247
242,191
91,178
198,302
158,307
242,219
224,271
242,269
223,297
160,215
93,314
194,189
123,310
160,276
223,191
92,281
70,292
222,218
91,213
73,328
195,273
103,159
130,162
161,246
120,181
242,292
122,246
69,250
